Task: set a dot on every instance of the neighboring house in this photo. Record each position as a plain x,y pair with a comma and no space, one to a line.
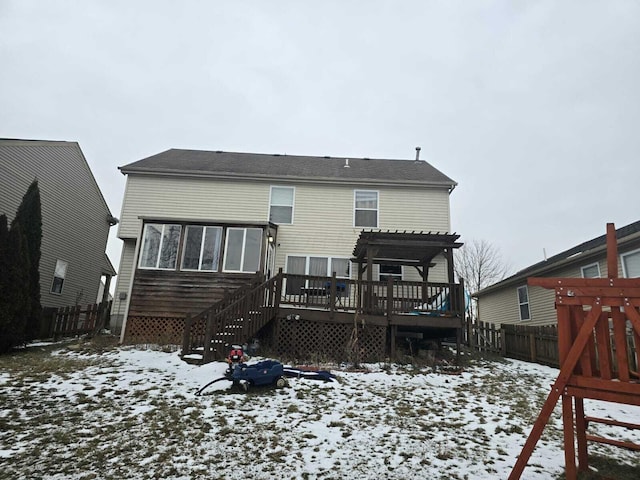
512,301
75,216
198,223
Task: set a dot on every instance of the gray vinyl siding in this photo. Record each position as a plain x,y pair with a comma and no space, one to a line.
123,285
74,214
323,213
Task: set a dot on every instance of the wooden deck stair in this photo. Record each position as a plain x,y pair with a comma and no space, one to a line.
235,319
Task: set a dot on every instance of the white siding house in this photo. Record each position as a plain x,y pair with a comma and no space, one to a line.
308,212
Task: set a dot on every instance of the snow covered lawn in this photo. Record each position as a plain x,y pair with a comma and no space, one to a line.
73,412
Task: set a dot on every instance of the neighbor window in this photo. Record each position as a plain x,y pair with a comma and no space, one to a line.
591,271
59,275
365,208
631,264
390,271
523,300
242,250
201,249
160,246
281,205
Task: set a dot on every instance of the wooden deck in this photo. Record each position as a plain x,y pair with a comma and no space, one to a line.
394,309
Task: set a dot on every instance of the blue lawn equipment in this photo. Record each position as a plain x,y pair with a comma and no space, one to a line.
266,372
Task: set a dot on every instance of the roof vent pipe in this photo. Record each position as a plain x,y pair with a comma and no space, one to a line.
418,154
346,163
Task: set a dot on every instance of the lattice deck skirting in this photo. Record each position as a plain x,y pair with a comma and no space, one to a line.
157,330
299,339
309,340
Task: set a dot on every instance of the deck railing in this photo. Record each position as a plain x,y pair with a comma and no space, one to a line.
375,297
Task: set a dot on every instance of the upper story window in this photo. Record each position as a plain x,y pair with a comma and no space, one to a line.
242,250
202,248
59,275
281,205
390,271
523,301
160,246
365,208
631,264
590,271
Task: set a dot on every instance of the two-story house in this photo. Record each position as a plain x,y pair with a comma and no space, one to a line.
512,301
75,217
198,224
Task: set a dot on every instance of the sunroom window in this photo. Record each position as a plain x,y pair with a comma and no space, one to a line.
202,248
160,246
242,250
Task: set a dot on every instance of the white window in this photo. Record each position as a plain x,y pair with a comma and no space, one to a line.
160,246
523,301
243,249
365,208
631,264
281,205
58,276
315,266
590,271
390,271
201,250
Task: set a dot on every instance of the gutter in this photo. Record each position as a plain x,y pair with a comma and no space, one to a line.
270,178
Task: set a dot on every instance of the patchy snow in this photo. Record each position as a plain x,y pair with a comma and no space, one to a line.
130,413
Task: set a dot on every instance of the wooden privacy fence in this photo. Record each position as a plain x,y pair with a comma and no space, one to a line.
522,342
533,344
78,320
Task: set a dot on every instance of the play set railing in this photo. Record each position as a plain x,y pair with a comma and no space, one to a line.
594,317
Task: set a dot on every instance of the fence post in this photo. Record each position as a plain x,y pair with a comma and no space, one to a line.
332,295
186,335
532,347
208,335
503,332
390,298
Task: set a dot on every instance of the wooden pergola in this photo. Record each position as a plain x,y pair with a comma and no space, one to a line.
410,249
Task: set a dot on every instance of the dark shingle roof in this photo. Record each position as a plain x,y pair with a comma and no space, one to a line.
289,167
574,252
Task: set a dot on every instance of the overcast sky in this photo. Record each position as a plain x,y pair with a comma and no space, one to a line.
533,107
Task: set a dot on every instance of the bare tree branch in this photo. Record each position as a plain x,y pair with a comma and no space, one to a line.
480,264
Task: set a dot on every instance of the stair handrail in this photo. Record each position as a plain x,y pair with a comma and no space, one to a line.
216,316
